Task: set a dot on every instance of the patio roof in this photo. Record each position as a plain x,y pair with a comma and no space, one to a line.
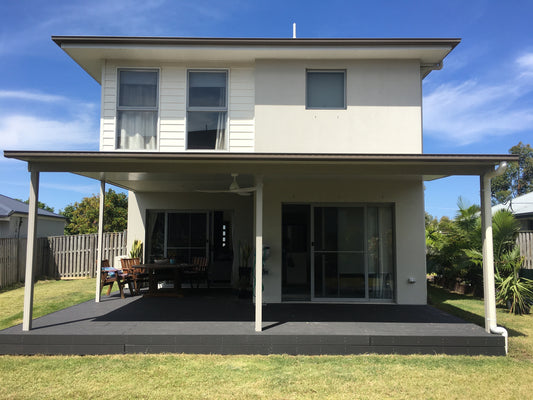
179,172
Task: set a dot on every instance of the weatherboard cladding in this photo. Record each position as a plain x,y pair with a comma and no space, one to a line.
172,107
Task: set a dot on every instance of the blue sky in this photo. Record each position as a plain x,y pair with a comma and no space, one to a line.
481,102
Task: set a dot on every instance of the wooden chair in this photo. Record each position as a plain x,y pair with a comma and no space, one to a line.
198,272
138,276
111,275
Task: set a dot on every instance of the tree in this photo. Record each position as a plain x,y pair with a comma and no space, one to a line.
40,204
517,179
83,217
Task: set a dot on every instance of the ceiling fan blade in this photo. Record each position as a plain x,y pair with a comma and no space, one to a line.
213,191
244,190
241,191
233,188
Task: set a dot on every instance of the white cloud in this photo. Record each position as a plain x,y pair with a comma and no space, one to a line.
27,132
525,62
117,17
34,96
48,122
85,189
469,111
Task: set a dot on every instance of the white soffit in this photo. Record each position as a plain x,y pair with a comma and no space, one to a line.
90,56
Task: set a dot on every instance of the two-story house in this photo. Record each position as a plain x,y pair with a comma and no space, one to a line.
310,148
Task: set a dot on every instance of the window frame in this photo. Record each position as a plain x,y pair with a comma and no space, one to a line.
315,70
138,108
189,108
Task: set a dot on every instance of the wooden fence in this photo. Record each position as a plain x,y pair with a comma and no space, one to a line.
525,241
58,256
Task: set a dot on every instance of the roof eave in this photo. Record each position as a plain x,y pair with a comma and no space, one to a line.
91,51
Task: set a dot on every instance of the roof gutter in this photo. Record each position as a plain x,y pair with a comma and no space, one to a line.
290,42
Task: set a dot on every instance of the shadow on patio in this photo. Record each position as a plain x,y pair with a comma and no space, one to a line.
224,306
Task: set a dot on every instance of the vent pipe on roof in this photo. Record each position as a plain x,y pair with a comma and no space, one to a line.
294,30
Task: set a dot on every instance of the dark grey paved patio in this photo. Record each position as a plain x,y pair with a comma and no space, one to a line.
218,322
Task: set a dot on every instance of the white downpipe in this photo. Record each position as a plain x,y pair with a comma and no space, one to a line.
488,254
500,330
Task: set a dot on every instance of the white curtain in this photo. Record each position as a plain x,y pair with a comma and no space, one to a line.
221,131
137,130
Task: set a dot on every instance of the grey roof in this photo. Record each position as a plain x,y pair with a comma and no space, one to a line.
519,206
10,206
294,42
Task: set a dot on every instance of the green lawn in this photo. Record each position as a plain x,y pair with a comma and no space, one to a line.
520,328
49,296
281,376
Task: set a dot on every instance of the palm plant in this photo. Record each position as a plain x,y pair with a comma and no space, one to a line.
136,249
513,291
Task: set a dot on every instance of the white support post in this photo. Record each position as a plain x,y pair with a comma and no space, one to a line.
30,252
100,243
259,255
488,254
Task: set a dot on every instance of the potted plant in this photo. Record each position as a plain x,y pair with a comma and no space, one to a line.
136,249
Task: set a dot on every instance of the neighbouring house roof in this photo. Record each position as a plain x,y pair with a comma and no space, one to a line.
9,206
90,52
520,206
175,172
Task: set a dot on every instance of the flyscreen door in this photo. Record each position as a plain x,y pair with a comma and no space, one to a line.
352,252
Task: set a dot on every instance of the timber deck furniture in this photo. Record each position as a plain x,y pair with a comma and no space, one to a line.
164,272
139,276
198,272
111,275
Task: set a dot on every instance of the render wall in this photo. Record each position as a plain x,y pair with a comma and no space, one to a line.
407,197
241,206
383,113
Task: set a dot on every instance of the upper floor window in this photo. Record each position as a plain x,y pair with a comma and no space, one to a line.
207,110
137,109
326,89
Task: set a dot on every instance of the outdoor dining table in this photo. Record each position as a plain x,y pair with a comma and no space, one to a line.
158,272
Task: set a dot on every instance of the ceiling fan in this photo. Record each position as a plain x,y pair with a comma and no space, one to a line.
233,188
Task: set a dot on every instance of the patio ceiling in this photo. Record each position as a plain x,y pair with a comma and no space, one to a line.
182,172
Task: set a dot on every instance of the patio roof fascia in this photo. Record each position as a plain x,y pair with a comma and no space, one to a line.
125,168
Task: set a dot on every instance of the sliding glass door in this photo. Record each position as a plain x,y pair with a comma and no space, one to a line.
180,235
187,234
352,252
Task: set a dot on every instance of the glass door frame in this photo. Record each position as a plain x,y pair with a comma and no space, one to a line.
367,298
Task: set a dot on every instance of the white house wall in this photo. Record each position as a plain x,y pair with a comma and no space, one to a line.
242,207
407,197
266,107
46,226
173,103
383,113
